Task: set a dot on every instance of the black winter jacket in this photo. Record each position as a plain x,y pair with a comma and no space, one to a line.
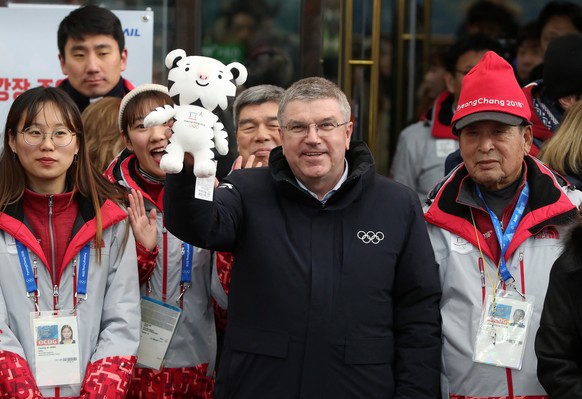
559,338
326,301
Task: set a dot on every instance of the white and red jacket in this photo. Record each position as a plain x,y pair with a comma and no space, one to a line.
537,242
189,362
419,160
108,320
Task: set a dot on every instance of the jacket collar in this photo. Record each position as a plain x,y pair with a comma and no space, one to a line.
547,204
360,171
123,171
119,90
440,116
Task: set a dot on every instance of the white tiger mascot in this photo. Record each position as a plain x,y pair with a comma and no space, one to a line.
198,85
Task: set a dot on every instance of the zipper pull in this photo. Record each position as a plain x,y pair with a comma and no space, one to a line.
55,290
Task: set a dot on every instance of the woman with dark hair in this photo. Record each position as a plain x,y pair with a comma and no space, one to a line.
176,279
67,257
67,335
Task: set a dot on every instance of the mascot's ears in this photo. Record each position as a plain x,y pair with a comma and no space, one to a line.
239,72
173,57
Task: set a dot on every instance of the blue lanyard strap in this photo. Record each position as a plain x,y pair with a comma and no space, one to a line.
504,238
83,276
187,263
27,271
186,279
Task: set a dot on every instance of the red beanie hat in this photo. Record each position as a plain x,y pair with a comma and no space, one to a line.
490,92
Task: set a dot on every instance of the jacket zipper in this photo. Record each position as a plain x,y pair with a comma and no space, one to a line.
53,258
54,268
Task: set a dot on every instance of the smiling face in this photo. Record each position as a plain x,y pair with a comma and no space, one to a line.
148,144
493,152
318,162
45,165
258,131
201,78
94,64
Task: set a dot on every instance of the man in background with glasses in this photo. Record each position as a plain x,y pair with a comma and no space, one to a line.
334,290
423,147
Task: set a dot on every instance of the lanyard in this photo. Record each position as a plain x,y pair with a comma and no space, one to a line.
29,280
186,279
187,264
504,238
83,272
28,273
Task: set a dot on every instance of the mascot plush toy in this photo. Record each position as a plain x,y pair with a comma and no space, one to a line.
198,85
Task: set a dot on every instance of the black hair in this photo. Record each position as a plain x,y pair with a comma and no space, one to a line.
566,9
473,42
89,20
487,13
528,32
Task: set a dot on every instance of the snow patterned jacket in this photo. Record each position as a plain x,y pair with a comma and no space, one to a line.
189,361
108,320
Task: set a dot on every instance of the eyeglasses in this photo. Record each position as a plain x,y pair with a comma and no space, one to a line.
321,128
60,138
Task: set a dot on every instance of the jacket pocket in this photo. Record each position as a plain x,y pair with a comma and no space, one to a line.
376,350
260,342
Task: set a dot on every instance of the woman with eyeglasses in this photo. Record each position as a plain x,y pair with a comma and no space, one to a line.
67,256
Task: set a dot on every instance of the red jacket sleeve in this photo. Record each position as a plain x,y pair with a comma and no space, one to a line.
146,262
108,378
223,266
16,379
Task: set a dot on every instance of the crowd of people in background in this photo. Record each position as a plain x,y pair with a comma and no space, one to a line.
305,274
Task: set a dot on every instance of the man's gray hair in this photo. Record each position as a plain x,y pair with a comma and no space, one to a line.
311,89
255,95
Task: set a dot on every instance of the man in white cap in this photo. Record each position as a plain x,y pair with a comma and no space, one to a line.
496,224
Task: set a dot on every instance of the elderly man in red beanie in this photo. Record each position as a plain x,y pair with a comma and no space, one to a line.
496,224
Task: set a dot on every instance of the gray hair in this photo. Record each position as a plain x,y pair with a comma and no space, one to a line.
255,95
311,89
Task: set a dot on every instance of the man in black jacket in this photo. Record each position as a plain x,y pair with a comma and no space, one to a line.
334,289
92,54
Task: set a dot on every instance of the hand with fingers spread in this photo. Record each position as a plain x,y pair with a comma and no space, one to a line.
144,227
249,164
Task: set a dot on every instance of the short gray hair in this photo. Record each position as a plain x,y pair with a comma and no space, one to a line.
311,89
255,95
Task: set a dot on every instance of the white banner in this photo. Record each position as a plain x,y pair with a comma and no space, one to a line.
29,51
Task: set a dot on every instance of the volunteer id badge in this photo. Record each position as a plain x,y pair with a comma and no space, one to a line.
158,322
56,348
503,330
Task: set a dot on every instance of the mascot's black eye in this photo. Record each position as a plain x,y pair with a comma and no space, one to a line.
186,69
219,76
